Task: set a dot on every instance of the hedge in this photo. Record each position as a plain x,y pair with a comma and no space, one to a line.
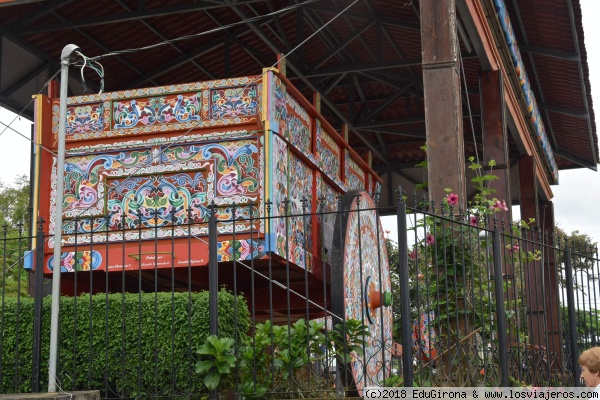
140,344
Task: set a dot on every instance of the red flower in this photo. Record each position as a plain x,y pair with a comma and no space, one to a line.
430,239
473,220
413,254
452,199
513,249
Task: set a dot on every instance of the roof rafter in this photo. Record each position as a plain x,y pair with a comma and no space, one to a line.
353,37
544,51
360,15
26,78
564,110
363,67
576,159
133,15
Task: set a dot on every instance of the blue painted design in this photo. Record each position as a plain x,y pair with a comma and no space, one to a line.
233,102
157,110
77,261
85,118
532,107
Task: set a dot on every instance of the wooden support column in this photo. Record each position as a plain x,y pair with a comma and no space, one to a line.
495,145
443,108
528,192
551,279
532,270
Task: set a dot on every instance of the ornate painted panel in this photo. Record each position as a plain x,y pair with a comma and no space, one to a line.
157,110
329,153
155,185
279,194
158,200
86,118
300,187
162,109
246,249
277,110
355,176
298,126
233,102
77,261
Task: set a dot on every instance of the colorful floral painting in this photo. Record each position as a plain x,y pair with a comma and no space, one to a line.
233,102
77,261
157,110
279,192
244,250
329,153
85,118
279,111
157,200
354,175
300,226
147,186
532,106
297,126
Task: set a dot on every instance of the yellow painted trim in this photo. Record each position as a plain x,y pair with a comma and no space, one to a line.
37,125
267,72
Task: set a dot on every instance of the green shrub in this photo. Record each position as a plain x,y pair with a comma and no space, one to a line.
133,344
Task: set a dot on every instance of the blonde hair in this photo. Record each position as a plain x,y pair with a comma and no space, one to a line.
591,359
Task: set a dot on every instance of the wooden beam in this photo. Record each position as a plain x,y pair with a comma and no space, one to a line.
495,145
442,93
528,192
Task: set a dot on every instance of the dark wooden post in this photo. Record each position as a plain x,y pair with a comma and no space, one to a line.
551,296
528,191
443,109
533,270
494,134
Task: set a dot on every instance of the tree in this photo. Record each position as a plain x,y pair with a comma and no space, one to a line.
14,232
14,203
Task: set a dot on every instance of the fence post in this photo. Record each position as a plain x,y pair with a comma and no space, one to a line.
500,312
407,363
574,350
38,300
213,280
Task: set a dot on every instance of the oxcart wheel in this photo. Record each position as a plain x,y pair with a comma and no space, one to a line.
361,287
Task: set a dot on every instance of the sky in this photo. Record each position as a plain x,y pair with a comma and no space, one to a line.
576,198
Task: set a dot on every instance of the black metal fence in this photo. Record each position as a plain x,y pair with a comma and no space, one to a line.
291,302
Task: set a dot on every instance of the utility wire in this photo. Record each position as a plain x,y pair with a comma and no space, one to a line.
223,27
463,78
89,61
27,105
179,138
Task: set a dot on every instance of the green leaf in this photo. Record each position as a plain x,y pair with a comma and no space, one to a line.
203,365
492,163
211,380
